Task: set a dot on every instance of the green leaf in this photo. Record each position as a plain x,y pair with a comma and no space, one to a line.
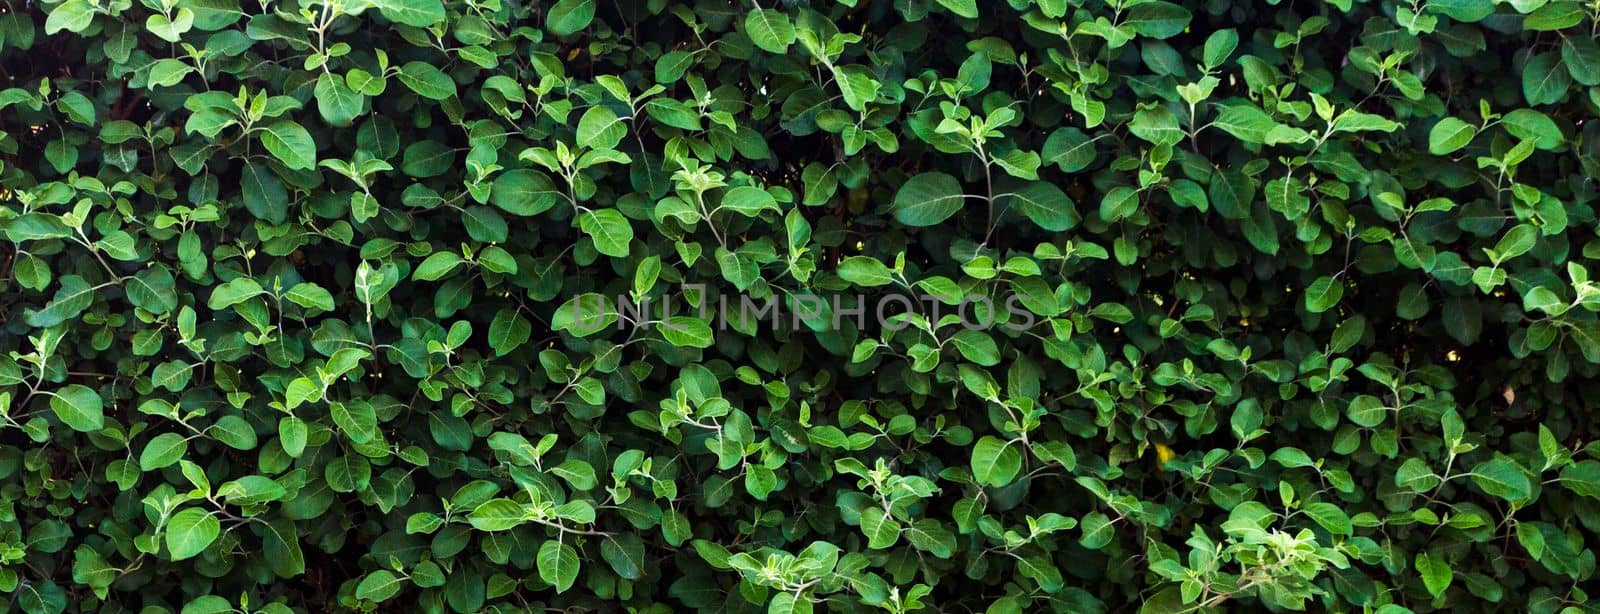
524,192
672,65
748,201
1465,11
975,74
1516,242
687,331
497,515
356,418
1097,531
233,292
865,271
1531,539
190,531
1502,478
1231,193
508,331
168,72
856,84
310,296
427,81
292,434
91,569
1557,15
932,537
1158,19
1544,79
1069,149
1245,121
558,564
1367,411
1355,121
163,451
1449,135
1415,475
264,194
1119,202
625,554
281,546
928,199
252,490
336,102
1219,47
1331,517
72,298
1043,203
995,462
1413,302
569,16
788,603
769,29
234,432
72,16
209,604
436,266
1156,125
415,13
484,224
962,8
977,346
882,530
1436,574
584,315
1323,294
1535,126
1581,55
78,406
291,144
36,227
172,375
600,128
378,586
611,232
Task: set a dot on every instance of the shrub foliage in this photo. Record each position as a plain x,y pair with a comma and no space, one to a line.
332,305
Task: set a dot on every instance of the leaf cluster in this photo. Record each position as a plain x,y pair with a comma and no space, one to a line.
334,305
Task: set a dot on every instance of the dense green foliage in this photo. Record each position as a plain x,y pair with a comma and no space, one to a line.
324,305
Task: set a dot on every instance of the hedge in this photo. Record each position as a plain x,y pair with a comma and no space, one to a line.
796,306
